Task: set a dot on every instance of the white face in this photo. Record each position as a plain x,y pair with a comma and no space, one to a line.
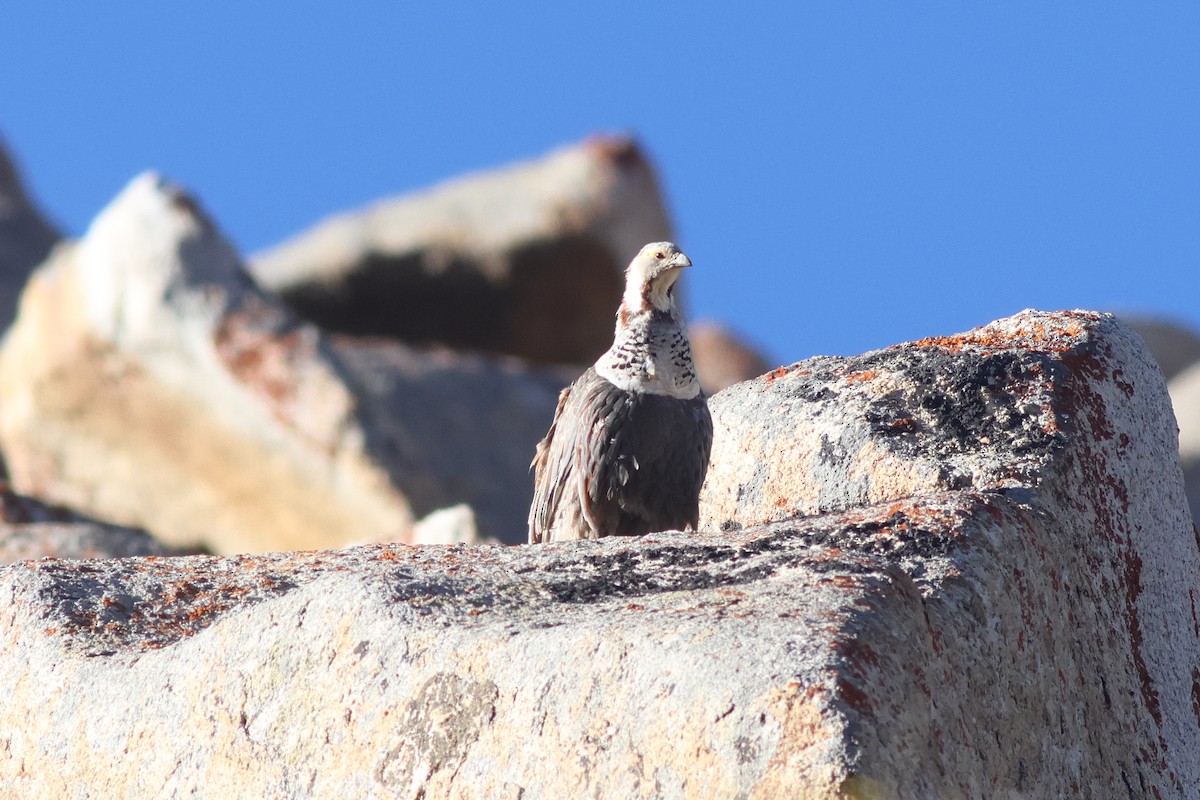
652,274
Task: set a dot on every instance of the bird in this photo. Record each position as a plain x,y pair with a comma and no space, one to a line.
628,448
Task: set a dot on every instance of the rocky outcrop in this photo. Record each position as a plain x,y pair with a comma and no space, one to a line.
722,358
1059,628
1176,348
149,383
76,540
997,603
25,237
526,260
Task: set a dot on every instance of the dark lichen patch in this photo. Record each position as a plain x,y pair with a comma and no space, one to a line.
133,605
963,403
943,406
102,607
869,540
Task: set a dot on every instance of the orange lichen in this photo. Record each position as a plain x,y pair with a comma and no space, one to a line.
1054,334
775,374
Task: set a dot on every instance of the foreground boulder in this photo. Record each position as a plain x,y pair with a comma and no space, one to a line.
1062,640
526,260
147,382
25,237
1025,633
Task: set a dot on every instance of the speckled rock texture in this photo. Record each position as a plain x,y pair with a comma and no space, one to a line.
526,260
147,382
25,237
1026,633
1062,631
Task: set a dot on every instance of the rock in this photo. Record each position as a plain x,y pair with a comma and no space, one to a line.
25,237
454,428
32,529
17,509
1174,346
526,260
721,357
149,383
1028,635
76,540
453,525
1061,634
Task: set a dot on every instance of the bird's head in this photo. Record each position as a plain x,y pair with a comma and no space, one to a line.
650,277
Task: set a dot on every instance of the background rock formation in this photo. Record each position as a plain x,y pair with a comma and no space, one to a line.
1177,351
526,260
999,604
147,382
1185,397
25,237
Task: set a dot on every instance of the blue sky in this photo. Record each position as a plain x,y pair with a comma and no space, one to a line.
844,176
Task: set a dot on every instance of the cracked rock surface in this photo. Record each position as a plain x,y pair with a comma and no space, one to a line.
961,567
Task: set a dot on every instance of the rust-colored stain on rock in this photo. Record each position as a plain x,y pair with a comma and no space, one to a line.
263,349
1061,334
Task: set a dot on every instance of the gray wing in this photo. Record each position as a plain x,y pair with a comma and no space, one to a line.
555,476
619,463
654,463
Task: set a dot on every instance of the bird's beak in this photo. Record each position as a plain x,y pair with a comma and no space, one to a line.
680,260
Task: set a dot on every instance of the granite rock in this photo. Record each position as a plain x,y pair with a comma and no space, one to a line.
1185,397
1025,633
1175,346
32,529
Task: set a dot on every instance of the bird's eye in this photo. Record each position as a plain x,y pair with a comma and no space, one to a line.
659,254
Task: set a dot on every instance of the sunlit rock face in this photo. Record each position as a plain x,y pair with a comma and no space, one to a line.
960,567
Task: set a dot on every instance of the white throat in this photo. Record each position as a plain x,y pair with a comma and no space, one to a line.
650,354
